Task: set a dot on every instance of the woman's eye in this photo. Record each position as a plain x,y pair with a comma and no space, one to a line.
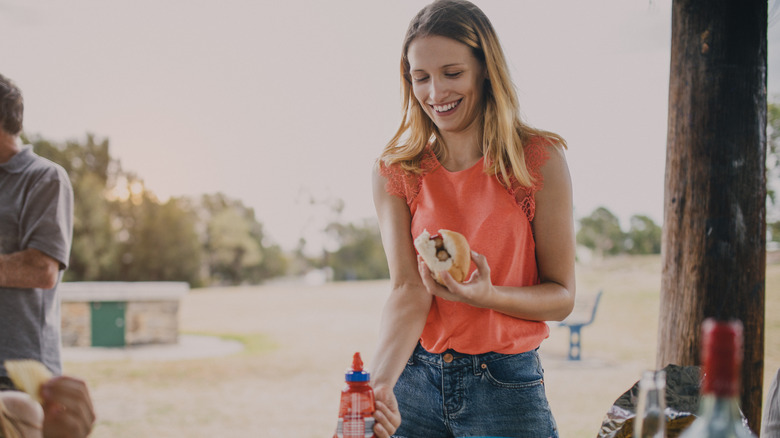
420,78
453,74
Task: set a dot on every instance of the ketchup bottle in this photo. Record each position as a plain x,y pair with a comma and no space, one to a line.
356,411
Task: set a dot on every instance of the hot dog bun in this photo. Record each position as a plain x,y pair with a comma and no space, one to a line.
455,258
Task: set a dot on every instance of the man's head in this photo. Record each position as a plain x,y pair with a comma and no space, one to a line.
11,107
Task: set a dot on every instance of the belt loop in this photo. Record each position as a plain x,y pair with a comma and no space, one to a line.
475,361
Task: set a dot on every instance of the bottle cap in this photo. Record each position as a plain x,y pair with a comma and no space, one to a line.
356,374
721,359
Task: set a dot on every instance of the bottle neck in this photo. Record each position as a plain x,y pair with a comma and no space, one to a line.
721,358
721,376
723,408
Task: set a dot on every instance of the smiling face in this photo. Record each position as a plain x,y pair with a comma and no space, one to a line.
447,81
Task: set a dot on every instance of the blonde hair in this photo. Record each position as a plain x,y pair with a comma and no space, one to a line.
503,132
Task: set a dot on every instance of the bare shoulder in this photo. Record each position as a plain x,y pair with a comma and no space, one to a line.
376,171
379,181
555,170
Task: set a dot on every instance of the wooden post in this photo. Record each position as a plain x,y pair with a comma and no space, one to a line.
714,250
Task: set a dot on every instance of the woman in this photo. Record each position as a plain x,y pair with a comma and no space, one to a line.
461,359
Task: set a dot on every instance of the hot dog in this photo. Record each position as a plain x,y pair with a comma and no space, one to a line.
446,251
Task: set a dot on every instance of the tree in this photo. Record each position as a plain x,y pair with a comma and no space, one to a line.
122,232
601,233
231,248
235,244
644,236
360,254
159,240
714,256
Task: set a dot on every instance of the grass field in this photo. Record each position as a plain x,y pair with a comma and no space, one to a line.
299,340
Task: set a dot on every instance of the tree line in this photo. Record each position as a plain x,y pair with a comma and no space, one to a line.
601,233
123,232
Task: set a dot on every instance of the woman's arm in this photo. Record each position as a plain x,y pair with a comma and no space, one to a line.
553,225
406,310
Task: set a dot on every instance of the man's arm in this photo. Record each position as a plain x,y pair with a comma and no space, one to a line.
28,269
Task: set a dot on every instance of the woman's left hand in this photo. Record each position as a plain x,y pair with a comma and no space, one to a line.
477,291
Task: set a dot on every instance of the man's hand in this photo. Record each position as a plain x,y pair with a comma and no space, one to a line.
387,416
67,408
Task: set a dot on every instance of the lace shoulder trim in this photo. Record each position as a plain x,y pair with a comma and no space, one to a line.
536,154
406,184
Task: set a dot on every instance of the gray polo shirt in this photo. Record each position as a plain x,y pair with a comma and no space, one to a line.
36,211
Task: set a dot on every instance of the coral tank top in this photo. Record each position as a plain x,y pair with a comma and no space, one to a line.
496,220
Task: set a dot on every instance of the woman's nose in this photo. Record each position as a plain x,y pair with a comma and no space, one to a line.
438,90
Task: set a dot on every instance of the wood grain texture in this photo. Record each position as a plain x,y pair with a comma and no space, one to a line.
714,251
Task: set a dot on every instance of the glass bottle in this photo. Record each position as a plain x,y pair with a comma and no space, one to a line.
721,357
650,420
356,410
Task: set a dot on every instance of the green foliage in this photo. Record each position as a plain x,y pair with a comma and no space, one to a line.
644,236
234,243
601,232
159,241
122,232
360,254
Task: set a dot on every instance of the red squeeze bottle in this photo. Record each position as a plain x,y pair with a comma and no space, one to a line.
356,411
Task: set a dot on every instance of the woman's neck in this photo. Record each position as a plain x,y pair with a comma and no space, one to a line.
462,150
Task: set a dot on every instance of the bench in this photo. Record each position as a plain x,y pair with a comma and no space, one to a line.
584,313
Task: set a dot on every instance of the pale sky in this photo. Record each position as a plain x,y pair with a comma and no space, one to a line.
278,102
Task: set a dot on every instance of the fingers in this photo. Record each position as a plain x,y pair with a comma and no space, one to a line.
483,269
383,427
67,406
387,416
481,262
426,275
449,282
434,287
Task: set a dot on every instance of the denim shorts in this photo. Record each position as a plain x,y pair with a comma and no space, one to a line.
486,395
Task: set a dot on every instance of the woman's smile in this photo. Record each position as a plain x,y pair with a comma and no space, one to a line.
447,108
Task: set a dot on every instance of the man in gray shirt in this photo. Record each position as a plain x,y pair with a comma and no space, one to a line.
36,228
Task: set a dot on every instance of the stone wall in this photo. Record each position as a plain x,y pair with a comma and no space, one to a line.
151,310
76,324
152,322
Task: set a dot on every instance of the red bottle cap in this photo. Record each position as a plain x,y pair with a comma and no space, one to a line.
356,374
721,359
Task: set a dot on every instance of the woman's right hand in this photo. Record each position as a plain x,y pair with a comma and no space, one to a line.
387,416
